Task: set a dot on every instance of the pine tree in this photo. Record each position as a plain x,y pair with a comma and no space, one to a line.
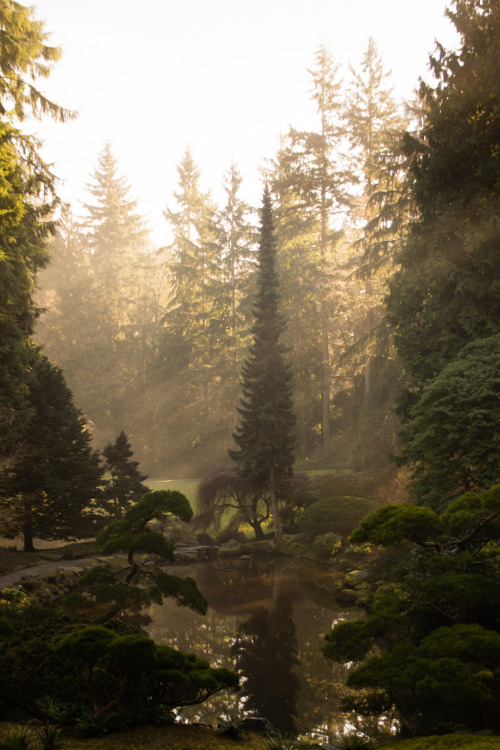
58,473
126,484
265,435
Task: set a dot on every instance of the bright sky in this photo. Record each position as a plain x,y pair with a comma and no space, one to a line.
223,77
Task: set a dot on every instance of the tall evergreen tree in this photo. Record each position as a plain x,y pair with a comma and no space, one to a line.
375,127
58,473
265,435
202,327
27,201
446,294
237,237
314,174
98,292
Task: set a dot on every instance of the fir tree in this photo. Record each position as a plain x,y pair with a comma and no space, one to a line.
445,294
125,486
58,472
265,435
312,180
27,201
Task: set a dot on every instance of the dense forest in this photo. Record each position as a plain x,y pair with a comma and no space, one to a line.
152,341
351,323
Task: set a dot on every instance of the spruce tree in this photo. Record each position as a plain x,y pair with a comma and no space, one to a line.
125,486
265,435
97,290
58,472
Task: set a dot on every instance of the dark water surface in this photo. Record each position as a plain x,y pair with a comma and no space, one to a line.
265,620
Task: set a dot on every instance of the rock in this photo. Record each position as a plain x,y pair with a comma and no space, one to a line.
347,596
231,544
356,577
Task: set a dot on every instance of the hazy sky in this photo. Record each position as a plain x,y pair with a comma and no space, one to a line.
223,77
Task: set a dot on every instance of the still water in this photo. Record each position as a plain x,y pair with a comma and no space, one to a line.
265,620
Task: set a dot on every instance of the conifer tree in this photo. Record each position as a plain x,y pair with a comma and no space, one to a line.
265,435
25,58
126,484
27,202
237,237
58,473
375,127
313,180
445,294
194,369
96,290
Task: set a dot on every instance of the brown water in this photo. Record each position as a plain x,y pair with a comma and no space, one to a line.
267,621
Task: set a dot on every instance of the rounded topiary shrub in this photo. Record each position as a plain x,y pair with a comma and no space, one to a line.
339,514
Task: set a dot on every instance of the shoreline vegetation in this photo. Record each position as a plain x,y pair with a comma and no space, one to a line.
181,736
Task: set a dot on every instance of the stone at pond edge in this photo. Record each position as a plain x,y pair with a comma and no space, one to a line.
347,596
356,577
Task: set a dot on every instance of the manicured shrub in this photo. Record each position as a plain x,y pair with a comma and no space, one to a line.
339,514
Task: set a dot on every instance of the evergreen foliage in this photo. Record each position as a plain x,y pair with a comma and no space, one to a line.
338,514
125,486
47,491
105,591
435,621
74,670
25,58
446,293
123,669
102,308
265,435
311,178
453,431
26,203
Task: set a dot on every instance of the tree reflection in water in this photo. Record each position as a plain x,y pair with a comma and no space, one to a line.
267,621
265,650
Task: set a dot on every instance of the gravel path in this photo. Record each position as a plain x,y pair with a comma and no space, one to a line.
10,578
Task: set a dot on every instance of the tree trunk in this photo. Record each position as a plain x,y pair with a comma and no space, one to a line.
278,531
325,383
257,528
28,528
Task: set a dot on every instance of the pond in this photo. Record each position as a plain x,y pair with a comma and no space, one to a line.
265,620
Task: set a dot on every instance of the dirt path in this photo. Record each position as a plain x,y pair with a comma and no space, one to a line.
11,578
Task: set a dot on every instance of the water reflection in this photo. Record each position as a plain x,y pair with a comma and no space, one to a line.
265,620
265,651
